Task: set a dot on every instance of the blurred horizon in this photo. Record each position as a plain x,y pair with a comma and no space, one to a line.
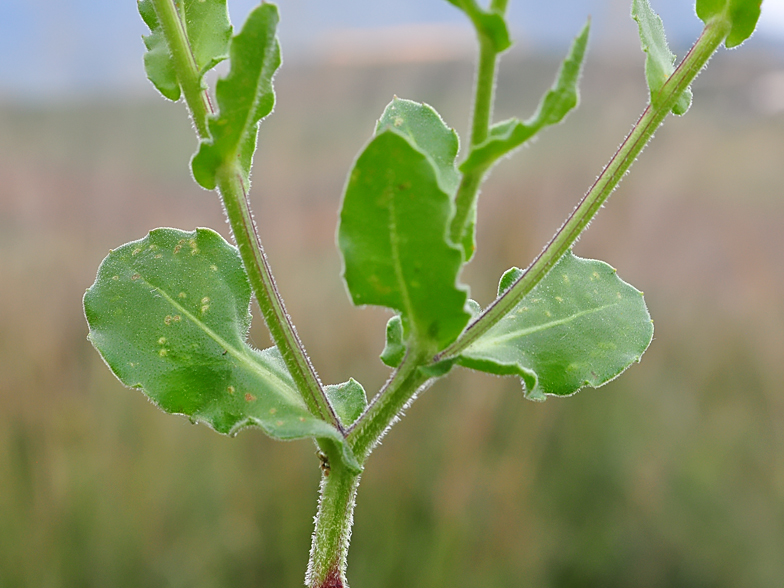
70,49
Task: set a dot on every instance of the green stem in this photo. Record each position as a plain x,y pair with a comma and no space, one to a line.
335,517
237,206
385,408
235,201
653,116
184,64
484,96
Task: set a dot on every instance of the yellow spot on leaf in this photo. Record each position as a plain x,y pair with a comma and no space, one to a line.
135,277
559,299
273,410
205,300
162,340
158,255
214,267
249,397
177,249
231,390
115,277
169,319
163,353
182,295
279,423
136,251
302,419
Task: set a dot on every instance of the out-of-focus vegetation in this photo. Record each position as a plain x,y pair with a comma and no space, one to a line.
673,475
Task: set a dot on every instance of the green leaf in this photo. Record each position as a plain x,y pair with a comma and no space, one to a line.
427,131
157,60
348,399
508,279
507,136
580,326
245,96
488,23
170,313
392,234
659,60
395,348
742,15
206,24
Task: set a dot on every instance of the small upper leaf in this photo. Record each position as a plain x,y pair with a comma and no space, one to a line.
169,314
741,14
580,326
206,24
508,135
392,234
348,399
487,23
245,96
659,60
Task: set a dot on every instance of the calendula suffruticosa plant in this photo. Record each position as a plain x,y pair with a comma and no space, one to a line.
169,313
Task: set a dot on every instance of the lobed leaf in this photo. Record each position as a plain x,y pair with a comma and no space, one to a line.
741,14
659,60
245,96
507,136
580,326
170,313
392,235
206,24
488,23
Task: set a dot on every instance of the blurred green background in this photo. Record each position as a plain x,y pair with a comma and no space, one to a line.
670,476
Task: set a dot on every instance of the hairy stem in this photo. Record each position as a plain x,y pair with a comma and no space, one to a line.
335,517
650,120
481,119
237,206
188,76
386,407
281,329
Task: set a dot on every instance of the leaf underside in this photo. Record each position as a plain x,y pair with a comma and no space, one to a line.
659,60
170,314
580,326
392,235
245,96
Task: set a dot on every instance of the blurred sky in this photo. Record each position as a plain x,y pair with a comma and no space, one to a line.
55,48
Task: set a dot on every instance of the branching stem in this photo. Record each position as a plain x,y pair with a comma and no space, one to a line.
235,200
650,120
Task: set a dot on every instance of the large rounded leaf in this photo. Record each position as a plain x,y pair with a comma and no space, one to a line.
580,326
169,314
